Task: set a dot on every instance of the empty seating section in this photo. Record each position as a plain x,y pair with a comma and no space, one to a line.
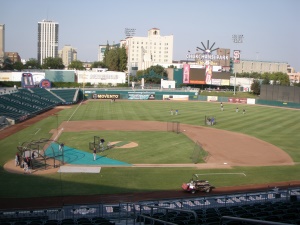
26,103
283,212
47,94
66,94
47,221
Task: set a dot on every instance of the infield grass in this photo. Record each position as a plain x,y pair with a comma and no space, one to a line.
278,126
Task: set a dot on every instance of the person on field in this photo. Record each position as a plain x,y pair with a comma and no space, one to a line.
17,159
94,154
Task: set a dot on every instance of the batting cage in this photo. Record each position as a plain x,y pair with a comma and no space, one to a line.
95,144
198,154
40,154
173,126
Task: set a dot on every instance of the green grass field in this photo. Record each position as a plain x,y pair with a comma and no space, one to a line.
278,126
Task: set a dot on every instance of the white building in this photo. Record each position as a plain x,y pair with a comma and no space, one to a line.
251,66
47,40
105,77
68,54
144,52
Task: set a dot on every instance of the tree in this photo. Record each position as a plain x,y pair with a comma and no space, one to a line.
18,66
53,63
98,65
113,60
153,74
32,64
7,64
123,59
266,80
76,65
255,87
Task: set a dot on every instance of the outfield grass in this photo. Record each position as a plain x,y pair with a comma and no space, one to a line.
278,126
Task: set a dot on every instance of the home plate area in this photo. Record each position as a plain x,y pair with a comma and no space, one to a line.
79,169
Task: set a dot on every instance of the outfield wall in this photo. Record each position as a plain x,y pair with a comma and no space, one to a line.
171,95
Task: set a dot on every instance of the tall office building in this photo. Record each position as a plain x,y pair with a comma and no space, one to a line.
47,40
68,54
2,43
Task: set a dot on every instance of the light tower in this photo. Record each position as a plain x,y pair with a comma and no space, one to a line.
237,38
129,32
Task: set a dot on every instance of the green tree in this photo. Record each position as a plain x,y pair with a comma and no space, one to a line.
123,59
106,53
266,80
113,60
7,64
76,65
53,63
153,74
255,87
98,65
32,64
18,66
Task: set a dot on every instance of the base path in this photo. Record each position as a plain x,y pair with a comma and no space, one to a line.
224,147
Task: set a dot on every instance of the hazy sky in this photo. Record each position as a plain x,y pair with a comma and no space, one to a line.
270,27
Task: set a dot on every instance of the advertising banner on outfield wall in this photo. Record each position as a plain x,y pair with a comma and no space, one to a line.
212,98
176,97
237,100
106,96
141,95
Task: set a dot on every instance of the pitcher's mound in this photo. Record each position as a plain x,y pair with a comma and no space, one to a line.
124,144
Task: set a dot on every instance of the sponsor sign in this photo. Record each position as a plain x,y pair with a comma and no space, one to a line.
141,95
175,97
186,74
238,100
212,98
236,56
106,96
45,83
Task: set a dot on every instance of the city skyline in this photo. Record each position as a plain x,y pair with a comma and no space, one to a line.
269,27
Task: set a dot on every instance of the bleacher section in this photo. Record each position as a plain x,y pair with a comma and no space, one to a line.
26,103
68,95
47,94
44,220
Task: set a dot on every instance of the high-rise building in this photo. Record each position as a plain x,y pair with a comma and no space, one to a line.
47,40
143,52
2,43
68,54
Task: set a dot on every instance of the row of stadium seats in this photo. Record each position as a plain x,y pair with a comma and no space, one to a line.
26,103
67,95
46,221
283,212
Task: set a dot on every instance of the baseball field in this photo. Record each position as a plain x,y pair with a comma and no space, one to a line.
258,147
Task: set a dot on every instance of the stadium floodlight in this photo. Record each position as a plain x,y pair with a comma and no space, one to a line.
237,38
129,32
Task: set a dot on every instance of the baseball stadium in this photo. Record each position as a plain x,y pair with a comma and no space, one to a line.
123,156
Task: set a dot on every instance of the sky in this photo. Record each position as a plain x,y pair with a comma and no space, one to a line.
270,27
